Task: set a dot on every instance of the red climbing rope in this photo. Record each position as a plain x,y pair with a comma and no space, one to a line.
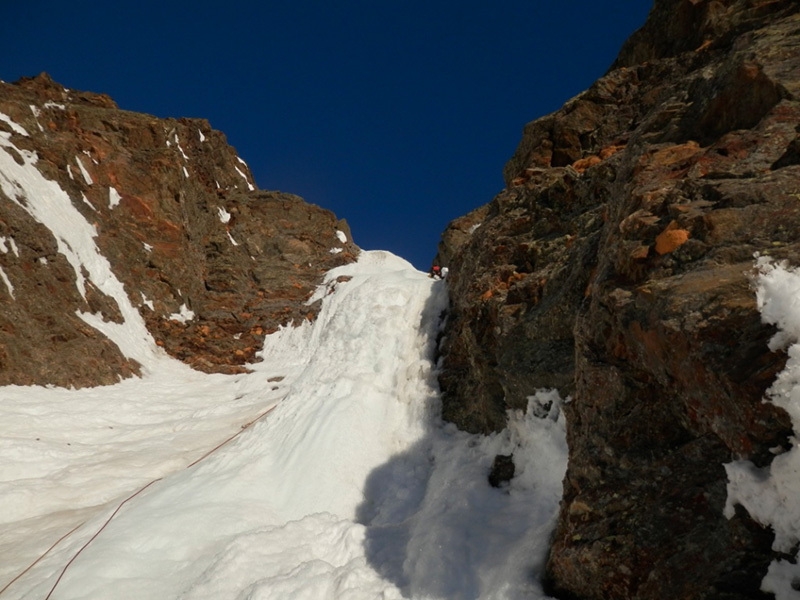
33,564
91,539
121,504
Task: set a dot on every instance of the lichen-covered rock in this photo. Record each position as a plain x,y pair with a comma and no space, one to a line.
178,217
615,266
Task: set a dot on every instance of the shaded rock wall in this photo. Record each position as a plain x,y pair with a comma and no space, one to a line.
178,217
615,266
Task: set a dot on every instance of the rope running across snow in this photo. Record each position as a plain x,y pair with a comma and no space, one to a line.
34,563
121,504
91,539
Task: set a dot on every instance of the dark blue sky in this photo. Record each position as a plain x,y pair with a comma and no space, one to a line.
397,116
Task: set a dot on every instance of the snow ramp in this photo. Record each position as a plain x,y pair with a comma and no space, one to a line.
343,483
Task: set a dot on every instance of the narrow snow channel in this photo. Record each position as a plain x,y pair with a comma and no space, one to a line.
338,479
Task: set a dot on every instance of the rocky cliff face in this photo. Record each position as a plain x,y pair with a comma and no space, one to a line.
211,263
615,267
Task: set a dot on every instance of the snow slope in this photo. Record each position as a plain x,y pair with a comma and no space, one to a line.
324,473
337,479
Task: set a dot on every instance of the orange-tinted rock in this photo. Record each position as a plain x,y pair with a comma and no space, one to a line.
671,239
584,163
635,298
166,241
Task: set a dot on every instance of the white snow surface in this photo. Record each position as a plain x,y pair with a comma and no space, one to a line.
36,114
15,127
184,315
224,215
338,480
180,149
772,494
113,197
51,206
240,172
11,244
147,302
7,281
86,177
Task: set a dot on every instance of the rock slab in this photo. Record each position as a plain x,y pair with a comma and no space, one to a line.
177,215
616,266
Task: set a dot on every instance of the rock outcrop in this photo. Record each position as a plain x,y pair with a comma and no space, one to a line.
615,266
211,263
